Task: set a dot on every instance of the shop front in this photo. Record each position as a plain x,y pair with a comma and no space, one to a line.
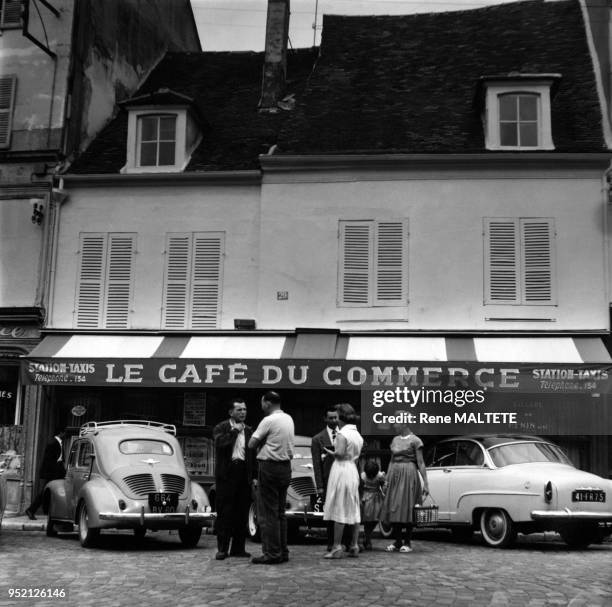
553,386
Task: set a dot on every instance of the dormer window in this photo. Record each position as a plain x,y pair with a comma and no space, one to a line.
156,140
164,128
517,112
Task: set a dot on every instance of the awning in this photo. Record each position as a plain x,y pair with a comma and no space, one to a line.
320,360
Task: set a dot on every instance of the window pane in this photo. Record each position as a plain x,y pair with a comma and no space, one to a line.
529,134
167,128
528,107
166,153
507,107
508,133
148,154
148,130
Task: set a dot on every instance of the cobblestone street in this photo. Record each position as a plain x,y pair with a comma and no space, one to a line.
538,571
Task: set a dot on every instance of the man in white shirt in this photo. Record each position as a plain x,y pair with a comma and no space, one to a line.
274,441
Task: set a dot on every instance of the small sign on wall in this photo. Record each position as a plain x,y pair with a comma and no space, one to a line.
282,295
194,409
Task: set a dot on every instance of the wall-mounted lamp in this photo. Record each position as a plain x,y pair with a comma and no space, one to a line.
38,211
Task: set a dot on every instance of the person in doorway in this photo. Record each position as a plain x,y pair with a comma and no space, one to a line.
234,467
52,467
274,441
342,502
404,488
322,460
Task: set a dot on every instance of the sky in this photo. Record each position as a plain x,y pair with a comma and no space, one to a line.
241,24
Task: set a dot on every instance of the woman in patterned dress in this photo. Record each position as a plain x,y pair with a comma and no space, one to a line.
404,488
342,495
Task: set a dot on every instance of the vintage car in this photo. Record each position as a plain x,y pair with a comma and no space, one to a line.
303,508
505,484
127,475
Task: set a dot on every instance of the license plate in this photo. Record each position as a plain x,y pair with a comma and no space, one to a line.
163,502
316,503
588,495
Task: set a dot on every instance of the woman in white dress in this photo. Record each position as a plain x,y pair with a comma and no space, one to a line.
342,495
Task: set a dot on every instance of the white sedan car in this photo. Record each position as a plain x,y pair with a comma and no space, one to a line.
506,484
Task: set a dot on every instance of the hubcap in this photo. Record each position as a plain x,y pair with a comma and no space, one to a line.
252,521
495,525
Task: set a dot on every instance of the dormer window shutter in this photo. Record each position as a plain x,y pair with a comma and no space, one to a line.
519,261
7,101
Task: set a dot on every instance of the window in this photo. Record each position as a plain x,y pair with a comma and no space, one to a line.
104,288
373,263
84,452
141,446
10,13
7,101
518,120
192,285
518,113
519,261
156,140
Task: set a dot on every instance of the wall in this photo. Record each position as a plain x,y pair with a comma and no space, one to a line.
152,212
300,247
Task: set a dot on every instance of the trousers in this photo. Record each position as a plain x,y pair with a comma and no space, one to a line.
232,501
274,479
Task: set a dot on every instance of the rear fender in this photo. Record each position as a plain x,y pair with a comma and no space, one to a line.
99,495
517,504
199,495
55,502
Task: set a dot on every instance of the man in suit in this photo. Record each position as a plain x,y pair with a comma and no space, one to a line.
234,469
51,468
322,460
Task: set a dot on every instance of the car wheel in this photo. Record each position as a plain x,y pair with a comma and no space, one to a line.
140,532
252,524
579,537
497,528
87,536
50,529
462,534
190,536
386,530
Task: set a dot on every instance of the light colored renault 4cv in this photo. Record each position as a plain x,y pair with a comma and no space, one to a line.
127,475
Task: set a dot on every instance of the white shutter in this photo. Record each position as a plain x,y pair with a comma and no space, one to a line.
7,100
11,12
537,237
178,269
391,263
119,281
206,280
502,262
356,248
90,281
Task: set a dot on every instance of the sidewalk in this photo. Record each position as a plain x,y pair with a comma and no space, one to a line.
23,523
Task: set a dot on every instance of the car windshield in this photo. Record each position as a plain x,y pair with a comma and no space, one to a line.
523,453
301,452
138,446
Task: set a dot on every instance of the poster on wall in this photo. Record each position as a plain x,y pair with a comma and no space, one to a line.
198,454
194,409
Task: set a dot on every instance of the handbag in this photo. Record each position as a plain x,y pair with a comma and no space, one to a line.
425,515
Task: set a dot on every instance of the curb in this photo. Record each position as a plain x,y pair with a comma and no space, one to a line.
20,523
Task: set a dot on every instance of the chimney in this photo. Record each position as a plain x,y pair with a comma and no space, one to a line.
275,60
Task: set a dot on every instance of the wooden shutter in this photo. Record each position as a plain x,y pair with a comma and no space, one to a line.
178,268
7,100
90,281
10,12
356,246
502,261
537,239
206,281
119,281
391,263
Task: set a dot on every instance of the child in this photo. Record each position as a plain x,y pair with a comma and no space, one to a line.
372,481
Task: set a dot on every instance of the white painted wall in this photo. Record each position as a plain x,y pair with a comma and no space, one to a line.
300,248
151,212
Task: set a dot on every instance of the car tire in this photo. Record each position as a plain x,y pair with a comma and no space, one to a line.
190,536
578,538
87,536
140,532
50,529
462,534
386,529
497,528
252,524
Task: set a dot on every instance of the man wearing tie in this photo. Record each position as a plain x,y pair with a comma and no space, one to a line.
322,461
51,468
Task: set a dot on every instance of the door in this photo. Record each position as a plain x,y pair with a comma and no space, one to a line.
440,461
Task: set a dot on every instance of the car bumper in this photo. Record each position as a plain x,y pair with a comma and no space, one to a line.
303,515
142,517
571,515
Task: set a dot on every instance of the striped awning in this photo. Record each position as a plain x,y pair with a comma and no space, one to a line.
304,360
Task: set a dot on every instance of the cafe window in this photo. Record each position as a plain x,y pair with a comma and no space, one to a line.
373,263
9,386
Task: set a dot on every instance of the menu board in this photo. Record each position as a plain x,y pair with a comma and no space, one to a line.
194,409
198,453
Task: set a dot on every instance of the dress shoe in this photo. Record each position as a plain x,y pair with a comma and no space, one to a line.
244,554
265,560
220,556
285,558
30,515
